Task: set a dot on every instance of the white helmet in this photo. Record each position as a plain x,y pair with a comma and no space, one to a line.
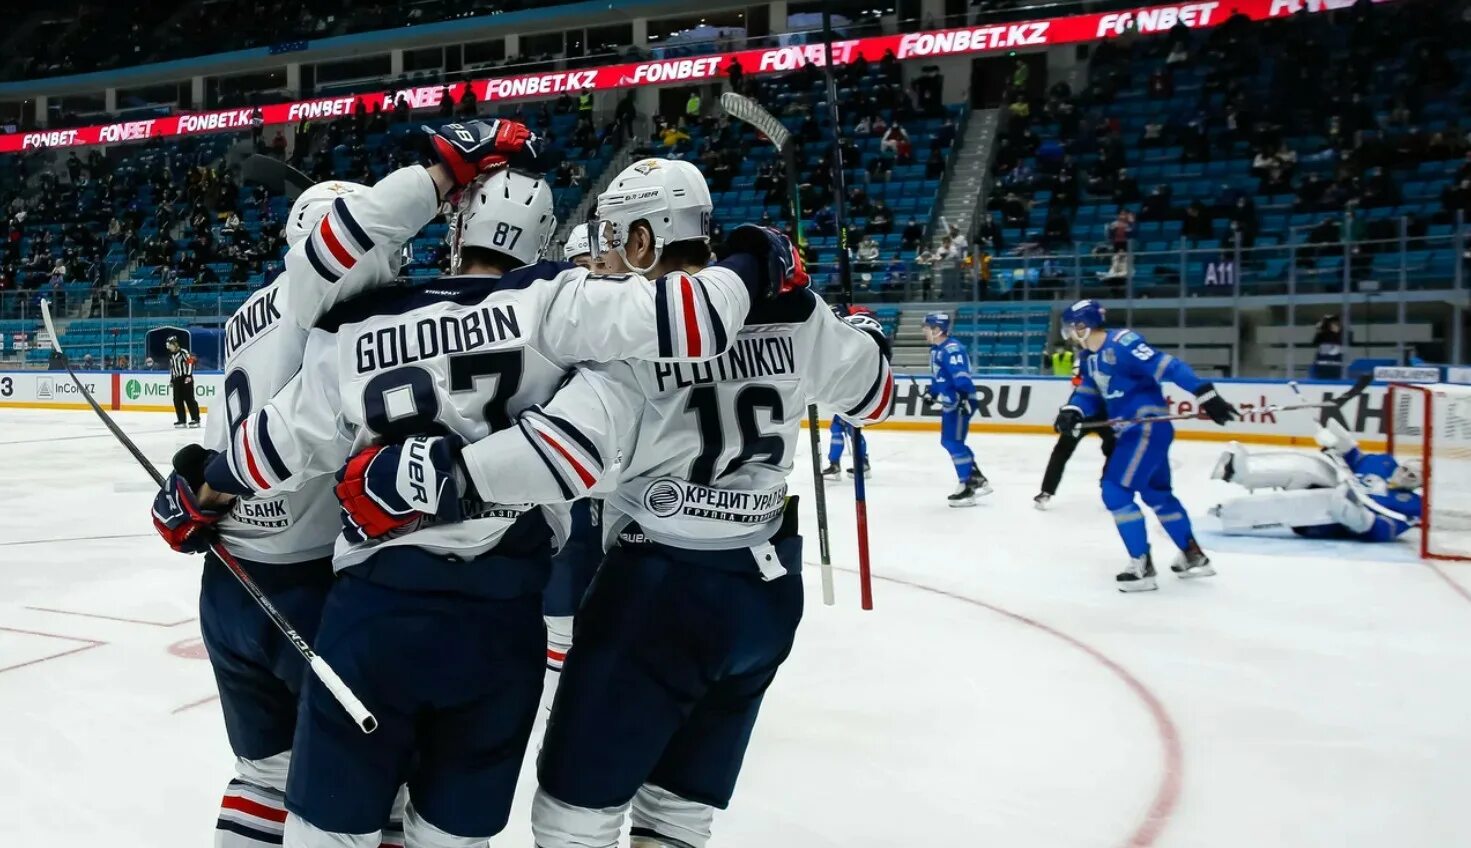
509,212
669,194
577,242
312,205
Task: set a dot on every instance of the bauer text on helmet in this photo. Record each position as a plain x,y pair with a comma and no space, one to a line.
669,196
578,249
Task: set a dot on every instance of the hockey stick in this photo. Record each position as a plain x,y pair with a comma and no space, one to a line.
749,111
354,707
277,176
1336,402
845,275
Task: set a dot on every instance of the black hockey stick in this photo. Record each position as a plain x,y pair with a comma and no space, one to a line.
845,276
1335,402
344,695
277,176
749,111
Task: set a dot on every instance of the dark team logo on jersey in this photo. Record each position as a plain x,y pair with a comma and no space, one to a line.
664,498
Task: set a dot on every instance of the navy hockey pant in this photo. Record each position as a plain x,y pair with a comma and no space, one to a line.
674,650
259,673
449,655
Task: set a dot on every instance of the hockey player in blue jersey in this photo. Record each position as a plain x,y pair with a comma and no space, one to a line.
953,391
1123,379
841,432
1341,492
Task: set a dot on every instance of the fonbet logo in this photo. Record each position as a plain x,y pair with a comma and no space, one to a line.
133,389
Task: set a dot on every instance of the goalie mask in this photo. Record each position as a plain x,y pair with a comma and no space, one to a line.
509,212
1409,476
670,196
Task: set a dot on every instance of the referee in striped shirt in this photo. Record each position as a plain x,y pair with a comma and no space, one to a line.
181,375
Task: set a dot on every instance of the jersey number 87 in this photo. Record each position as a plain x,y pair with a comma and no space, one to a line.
402,403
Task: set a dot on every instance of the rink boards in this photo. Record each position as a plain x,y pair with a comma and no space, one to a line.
1003,404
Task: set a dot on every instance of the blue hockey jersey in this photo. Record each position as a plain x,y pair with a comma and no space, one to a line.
1124,377
950,373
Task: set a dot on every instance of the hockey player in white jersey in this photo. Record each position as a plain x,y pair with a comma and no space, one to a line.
697,603
285,540
578,250
436,622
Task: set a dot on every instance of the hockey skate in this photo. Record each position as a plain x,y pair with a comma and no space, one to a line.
867,470
179,425
194,425
979,483
833,471
1138,577
1192,563
1042,500
964,495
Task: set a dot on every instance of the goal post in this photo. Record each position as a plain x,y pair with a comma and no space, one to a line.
1431,424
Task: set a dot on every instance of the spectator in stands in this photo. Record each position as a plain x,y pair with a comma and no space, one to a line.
278,145
1120,230
1057,233
1015,210
1456,199
1125,188
468,102
1310,192
934,167
1327,350
896,141
673,137
944,137
912,235
1120,267
73,167
87,363
1197,224
736,74
1156,207
149,364
868,254
880,219
692,107
858,204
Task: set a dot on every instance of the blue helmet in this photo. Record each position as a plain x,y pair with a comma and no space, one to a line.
1084,313
939,320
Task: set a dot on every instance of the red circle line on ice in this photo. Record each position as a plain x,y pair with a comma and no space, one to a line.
1167,794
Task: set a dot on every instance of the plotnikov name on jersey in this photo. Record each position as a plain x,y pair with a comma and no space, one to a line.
747,358
427,338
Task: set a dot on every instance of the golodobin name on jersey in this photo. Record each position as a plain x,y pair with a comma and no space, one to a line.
747,358
401,344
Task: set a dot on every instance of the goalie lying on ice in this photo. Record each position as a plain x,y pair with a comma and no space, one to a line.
1339,493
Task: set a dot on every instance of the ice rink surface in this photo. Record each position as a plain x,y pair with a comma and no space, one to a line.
1001,694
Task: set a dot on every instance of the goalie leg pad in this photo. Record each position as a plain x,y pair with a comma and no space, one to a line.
662,819
1271,512
1282,470
557,824
1346,510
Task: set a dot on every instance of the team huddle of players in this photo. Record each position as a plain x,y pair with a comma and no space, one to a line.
1340,493
416,474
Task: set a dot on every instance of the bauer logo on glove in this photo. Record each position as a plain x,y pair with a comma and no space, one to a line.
388,488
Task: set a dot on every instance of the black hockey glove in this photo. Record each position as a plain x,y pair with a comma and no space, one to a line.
779,263
1215,407
1069,422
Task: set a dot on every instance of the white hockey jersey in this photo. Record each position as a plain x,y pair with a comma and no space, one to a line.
706,448
266,339
468,355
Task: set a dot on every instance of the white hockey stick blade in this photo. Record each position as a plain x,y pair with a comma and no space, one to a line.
744,108
50,327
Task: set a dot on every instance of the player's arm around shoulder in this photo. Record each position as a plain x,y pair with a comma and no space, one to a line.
678,317
566,449
297,435
357,244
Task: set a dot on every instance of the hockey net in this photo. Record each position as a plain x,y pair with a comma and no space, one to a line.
1432,424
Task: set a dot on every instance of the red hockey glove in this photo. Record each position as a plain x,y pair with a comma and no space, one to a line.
385,488
177,515
472,148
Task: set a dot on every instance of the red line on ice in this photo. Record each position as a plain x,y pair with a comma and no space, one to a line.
88,644
1167,795
192,704
113,617
1455,587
